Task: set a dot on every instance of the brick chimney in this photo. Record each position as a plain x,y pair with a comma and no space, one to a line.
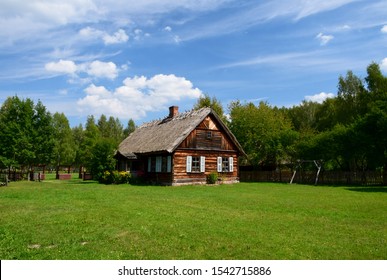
173,111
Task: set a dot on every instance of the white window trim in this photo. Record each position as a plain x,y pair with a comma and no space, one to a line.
202,164
219,164
231,164
189,164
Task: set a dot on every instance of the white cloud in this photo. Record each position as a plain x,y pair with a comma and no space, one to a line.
137,96
320,97
118,37
383,64
92,33
307,8
62,66
324,39
95,69
168,28
89,32
101,69
384,29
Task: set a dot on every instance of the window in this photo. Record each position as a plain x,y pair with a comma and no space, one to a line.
164,164
209,135
160,164
225,164
195,164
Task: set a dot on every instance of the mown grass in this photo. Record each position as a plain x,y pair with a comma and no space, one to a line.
84,220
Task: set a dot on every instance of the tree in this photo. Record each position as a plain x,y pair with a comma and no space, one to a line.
213,103
265,133
351,99
303,116
64,149
116,130
102,158
78,137
130,128
25,133
91,135
43,135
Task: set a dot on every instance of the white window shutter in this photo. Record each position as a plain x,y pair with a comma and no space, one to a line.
158,164
219,164
202,164
231,164
149,164
169,164
189,164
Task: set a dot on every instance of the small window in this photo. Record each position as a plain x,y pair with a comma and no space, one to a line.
209,135
160,164
196,164
225,164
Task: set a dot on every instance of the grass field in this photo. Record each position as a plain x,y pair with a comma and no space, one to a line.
84,220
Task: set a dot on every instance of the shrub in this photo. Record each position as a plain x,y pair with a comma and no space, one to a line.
212,178
115,177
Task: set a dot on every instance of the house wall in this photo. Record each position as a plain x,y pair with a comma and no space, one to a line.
199,138
181,176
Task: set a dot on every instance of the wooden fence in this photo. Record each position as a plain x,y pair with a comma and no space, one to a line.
309,177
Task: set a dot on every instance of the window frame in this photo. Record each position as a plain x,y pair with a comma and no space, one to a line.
195,164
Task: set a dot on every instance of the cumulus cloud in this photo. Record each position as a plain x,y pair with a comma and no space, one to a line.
384,29
62,66
101,69
95,69
320,97
383,64
137,96
324,39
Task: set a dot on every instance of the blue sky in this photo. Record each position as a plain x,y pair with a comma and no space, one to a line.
134,59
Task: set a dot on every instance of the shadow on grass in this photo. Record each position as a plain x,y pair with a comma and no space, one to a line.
373,189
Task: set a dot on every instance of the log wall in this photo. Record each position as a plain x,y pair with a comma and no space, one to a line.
180,175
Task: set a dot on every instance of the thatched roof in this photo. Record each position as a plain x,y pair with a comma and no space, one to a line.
167,134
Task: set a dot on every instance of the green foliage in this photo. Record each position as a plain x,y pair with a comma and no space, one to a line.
64,151
102,158
115,177
348,131
130,128
265,133
213,103
212,178
26,133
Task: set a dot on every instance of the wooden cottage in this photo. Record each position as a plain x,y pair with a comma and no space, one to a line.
183,148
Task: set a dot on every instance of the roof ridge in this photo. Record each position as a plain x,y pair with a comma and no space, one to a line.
180,116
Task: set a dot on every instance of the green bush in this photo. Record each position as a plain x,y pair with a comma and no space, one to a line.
212,178
115,177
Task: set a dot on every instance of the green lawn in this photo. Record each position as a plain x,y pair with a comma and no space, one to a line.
84,220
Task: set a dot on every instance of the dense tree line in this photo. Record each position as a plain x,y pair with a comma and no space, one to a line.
31,137
347,132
